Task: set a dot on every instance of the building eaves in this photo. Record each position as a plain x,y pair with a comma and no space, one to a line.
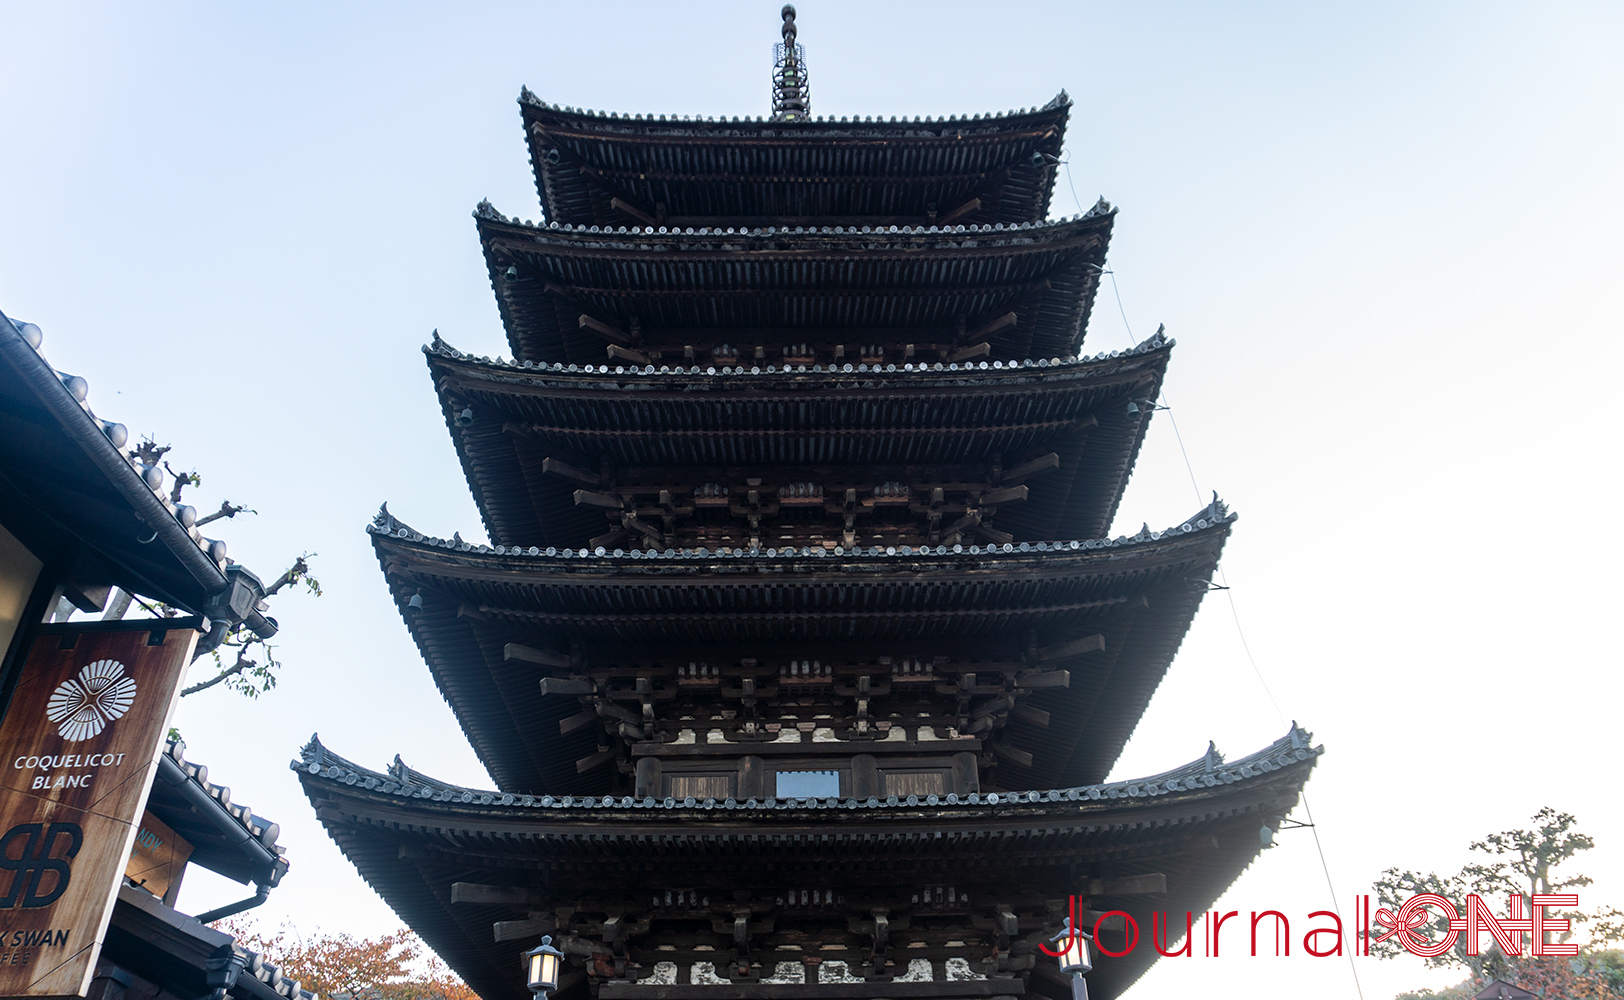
1212,516
164,936
800,238
65,398
865,126
240,844
201,579
1208,771
924,373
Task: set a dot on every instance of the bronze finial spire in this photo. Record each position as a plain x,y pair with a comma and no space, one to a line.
791,100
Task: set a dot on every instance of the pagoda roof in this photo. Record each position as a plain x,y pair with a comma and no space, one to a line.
791,418
1196,824
895,282
697,169
1139,593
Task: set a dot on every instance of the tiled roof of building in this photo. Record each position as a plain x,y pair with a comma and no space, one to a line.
595,167
507,418
463,601
714,283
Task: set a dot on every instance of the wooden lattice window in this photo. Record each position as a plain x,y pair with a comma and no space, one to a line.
701,786
921,783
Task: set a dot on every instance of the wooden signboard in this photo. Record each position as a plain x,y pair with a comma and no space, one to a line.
79,749
158,857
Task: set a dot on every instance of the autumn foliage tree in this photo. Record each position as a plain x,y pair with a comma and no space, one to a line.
1518,863
394,966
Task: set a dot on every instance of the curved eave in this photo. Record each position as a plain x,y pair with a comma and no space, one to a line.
912,283
1197,825
708,169
785,595
63,482
1140,594
785,418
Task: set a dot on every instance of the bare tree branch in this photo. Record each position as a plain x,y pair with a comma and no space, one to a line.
227,509
243,663
182,480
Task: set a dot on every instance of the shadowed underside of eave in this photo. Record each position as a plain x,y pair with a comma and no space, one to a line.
664,431
1139,596
710,288
598,169
1196,825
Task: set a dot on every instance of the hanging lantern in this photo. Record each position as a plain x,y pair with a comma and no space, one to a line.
1073,949
541,965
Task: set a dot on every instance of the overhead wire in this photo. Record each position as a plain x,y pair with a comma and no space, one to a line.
1230,594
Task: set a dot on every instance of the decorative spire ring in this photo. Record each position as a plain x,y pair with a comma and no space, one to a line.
792,101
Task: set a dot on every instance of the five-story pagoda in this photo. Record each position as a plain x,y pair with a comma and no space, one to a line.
800,655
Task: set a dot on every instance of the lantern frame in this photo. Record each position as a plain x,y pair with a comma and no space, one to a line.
542,967
1074,957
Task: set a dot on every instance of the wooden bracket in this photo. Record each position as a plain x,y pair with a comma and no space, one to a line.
566,685
622,205
590,498
992,326
615,351
1004,494
594,761
568,471
610,333
1076,647
1043,463
529,654
1011,754
489,895
1133,885
954,213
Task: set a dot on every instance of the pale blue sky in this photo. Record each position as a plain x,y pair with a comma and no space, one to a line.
1385,236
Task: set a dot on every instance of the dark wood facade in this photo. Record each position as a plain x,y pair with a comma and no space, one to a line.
799,654
81,520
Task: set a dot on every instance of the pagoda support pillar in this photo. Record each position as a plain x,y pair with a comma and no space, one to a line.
865,776
752,778
648,782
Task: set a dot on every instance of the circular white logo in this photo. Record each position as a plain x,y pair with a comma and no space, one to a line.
83,706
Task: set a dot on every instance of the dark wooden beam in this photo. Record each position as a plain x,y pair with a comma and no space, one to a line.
962,210
591,498
616,352
520,930
1026,713
980,350
1042,463
622,205
1133,885
1011,754
991,326
489,895
565,685
994,535
1076,647
610,333
1004,494
578,722
608,539
594,761
1044,679
568,471
529,654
